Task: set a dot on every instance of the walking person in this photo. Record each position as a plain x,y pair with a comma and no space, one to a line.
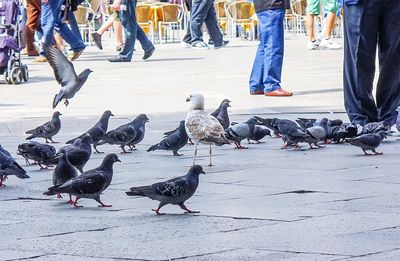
132,32
115,22
33,9
368,25
265,78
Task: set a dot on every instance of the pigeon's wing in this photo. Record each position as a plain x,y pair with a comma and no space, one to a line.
167,133
204,127
88,183
241,130
96,131
171,188
4,151
44,151
366,140
5,161
124,133
63,69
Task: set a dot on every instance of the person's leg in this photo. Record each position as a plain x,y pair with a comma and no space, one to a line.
62,28
188,37
105,26
312,9
331,6
118,33
33,13
212,25
47,23
128,20
197,16
360,39
257,72
145,42
73,24
22,26
272,21
388,87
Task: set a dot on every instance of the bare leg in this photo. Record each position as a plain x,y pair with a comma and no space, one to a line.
106,26
310,27
210,164
182,205
195,154
365,152
123,149
176,153
118,33
330,25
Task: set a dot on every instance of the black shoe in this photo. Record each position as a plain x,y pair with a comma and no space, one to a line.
210,42
119,59
224,43
148,53
97,40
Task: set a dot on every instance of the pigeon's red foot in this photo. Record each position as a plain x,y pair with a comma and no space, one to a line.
75,203
158,212
70,201
66,102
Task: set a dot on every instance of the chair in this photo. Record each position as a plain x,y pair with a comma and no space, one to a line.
221,14
84,24
239,16
298,9
143,18
171,18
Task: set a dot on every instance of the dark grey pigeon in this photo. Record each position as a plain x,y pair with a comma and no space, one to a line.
139,124
47,130
97,131
217,111
132,132
398,119
64,172
240,131
90,184
8,166
291,133
174,191
223,116
374,127
39,153
272,124
174,142
305,123
369,142
333,123
167,133
65,75
259,132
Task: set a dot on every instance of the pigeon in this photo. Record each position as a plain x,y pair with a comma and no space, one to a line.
222,115
291,133
90,184
174,142
65,75
324,123
241,131
97,131
47,130
369,142
272,124
338,133
202,127
40,153
63,172
139,125
8,166
124,134
223,103
174,191
398,119
333,123
259,132
305,123
316,134
374,127
167,133
78,153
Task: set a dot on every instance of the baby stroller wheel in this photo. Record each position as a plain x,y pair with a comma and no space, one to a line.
16,75
25,72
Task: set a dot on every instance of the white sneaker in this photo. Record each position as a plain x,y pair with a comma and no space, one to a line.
200,45
312,45
329,44
185,45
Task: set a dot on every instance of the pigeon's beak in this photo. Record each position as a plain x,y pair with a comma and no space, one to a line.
118,160
112,115
203,172
188,99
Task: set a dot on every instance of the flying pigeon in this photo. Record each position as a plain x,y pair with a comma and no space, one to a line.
174,142
202,127
140,127
174,191
39,153
126,133
64,172
65,75
222,115
47,130
259,132
241,131
90,184
223,103
97,131
8,166
369,142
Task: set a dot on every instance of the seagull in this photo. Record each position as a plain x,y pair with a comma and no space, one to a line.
65,75
202,127
47,130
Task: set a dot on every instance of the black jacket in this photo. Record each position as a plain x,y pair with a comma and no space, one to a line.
262,5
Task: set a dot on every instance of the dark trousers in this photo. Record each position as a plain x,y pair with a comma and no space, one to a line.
188,36
369,24
203,11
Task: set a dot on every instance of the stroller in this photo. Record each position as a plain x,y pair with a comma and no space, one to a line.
10,57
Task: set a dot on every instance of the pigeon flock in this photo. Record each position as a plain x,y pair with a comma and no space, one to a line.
70,176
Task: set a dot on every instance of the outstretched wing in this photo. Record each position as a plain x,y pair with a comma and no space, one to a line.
63,69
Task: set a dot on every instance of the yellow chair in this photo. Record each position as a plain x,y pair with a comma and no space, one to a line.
298,9
240,15
143,18
221,14
85,26
170,19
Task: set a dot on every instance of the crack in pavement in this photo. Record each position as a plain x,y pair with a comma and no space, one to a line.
25,198
245,218
72,232
29,258
372,230
351,199
368,254
244,228
205,254
303,252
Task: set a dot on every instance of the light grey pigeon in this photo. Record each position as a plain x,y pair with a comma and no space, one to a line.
63,172
223,103
241,131
47,130
8,166
174,191
369,142
223,116
126,133
259,132
39,153
65,75
201,127
90,184
140,126
174,141
97,131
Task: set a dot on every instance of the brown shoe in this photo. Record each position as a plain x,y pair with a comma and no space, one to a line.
76,54
279,93
24,51
33,53
257,93
40,59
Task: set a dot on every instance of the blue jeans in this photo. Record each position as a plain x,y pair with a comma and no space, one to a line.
267,67
74,25
203,11
132,31
51,20
368,25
